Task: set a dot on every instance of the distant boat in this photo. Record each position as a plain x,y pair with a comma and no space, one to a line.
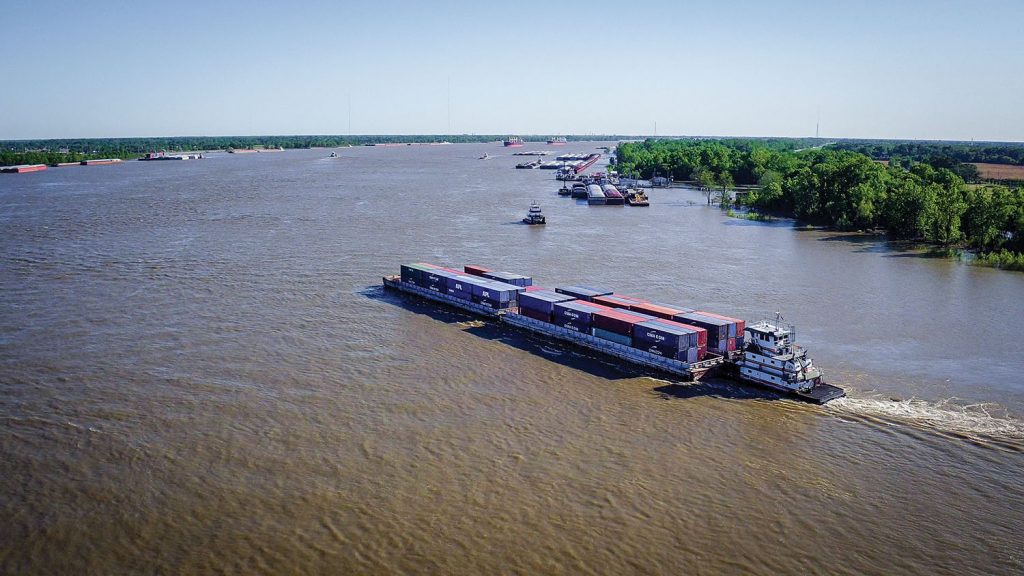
484,157
557,140
534,216
636,197
513,142
333,155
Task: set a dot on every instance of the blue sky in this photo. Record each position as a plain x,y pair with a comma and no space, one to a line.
896,69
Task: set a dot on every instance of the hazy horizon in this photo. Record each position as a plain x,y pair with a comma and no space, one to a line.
909,71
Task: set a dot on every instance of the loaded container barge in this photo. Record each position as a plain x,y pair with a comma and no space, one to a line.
673,339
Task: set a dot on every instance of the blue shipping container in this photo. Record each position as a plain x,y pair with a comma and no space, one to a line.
497,291
542,300
582,292
573,325
461,295
662,336
461,283
509,278
692,334
575,311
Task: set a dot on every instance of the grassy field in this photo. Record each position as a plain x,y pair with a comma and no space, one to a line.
1000,171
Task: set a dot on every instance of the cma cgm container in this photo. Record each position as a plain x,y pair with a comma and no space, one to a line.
475,270
616,301
509,278
674,333
582,292
542,301
576,312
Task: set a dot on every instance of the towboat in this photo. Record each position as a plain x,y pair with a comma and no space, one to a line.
534,216
771,358
636,197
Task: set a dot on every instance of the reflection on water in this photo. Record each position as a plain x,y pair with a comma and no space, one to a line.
200,373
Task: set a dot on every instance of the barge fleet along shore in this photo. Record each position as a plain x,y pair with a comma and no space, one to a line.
676,340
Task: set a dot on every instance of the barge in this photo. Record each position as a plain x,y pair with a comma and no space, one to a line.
512,317
685,343
23,168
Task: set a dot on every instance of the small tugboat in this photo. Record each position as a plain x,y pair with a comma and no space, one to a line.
534,216
636,197
564,191
333,155
484,157
771,358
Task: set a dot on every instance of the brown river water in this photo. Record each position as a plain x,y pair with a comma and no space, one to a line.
200,373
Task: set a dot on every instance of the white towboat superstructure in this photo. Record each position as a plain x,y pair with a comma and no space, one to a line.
534,215
771,358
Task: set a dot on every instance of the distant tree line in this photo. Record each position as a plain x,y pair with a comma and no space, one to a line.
49,151
846,190
931,152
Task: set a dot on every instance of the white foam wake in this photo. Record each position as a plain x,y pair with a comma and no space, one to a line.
979,421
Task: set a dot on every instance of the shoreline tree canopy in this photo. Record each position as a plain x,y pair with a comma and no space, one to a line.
844,189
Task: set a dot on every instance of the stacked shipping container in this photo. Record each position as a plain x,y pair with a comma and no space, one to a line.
540,304
671,331
487,292
582,292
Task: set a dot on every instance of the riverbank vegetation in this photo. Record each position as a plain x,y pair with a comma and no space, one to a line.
848,190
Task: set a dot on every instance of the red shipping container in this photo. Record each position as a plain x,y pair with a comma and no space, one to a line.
616,321
476,270
592,305
655,310
534,288
617,300
732,345
535,314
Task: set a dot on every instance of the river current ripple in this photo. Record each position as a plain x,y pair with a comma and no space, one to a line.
200,373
